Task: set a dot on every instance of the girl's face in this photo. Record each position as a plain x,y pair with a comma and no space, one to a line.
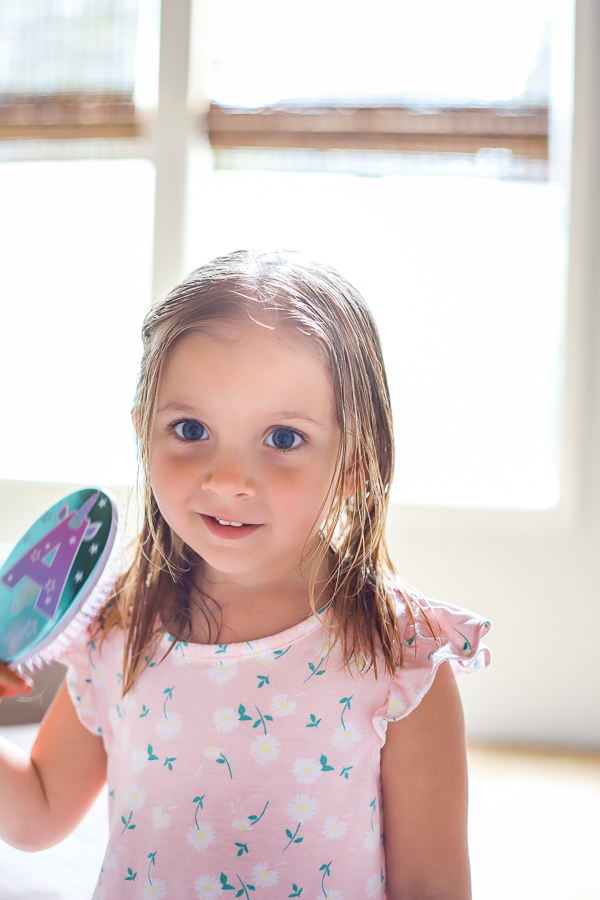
245,431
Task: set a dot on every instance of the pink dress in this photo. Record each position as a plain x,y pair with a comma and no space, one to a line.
254,767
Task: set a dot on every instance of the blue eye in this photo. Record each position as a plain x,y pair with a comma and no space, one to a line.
190,430
285,439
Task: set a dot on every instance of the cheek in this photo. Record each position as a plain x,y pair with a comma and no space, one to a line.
168,477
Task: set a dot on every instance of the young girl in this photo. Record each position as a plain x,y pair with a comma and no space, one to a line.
273,710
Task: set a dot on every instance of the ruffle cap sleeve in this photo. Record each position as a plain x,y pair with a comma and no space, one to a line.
81,675
440,633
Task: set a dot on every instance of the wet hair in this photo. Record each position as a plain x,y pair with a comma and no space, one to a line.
156,595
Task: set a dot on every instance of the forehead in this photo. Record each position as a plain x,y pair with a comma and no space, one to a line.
262,365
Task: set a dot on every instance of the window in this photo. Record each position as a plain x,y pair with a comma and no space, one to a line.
418,160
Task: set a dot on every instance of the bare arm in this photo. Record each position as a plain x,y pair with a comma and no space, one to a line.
424,781
43,797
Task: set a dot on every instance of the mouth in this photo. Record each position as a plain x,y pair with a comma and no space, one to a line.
230,530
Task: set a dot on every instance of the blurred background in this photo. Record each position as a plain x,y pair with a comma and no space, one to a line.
444,158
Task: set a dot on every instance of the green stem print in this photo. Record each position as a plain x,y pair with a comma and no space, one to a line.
279,653
297,891
292,837
325,870
467,644
223,759
245,888
261,719
131,875
255,819
151,857
144,712
346,702
169,762
315,670
243,848
412,639
126,824
180,647
169,693
345,771
199,805
262,680
151,754
314,722
373,808
222,649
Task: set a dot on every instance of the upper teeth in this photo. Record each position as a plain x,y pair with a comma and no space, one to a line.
221,522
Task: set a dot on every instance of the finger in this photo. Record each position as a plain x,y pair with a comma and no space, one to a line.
12,684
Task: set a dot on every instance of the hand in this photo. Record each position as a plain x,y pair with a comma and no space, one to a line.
12,684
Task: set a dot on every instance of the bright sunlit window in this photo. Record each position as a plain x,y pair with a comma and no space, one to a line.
460,254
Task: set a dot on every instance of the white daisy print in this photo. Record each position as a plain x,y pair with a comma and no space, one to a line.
306,770
281,706
302,808
169,727
135,797
207,887
86,705
212,752
323,644
98,675
221,672
333,829
225,720
110,861
139,759
262,658
155,891
374,886
241,824
129,699
346,737
199,838
371,841
160,818
264,749
263,876
396,706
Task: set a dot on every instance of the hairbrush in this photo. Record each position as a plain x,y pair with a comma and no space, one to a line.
57,577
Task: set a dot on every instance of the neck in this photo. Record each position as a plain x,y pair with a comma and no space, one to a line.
250,611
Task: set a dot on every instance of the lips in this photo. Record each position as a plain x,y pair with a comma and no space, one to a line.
228,532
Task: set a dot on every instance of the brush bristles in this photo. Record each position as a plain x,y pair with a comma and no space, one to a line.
84,616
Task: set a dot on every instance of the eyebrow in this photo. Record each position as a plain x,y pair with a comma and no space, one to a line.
280,416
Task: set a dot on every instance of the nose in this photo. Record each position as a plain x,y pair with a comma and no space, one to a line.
226,476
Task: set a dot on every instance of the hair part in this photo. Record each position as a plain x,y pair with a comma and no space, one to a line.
156,594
